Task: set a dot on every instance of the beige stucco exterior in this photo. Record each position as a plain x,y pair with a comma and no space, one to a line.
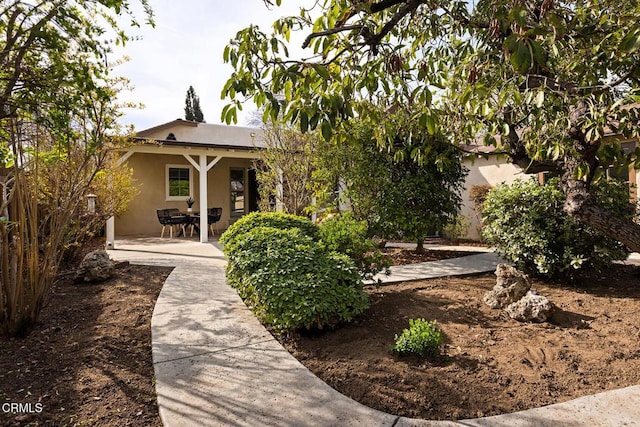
186,144
488,170
149,173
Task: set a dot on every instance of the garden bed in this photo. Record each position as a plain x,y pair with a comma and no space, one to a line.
401,256
490,364
88,362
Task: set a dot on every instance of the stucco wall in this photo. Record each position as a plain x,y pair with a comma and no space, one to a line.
149,173
485,171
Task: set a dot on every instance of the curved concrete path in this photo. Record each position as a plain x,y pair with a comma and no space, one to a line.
216,365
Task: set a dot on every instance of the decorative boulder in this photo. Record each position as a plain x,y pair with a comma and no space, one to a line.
510,287
531,308
95,267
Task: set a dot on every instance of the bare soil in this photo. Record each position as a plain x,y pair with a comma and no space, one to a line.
403,256
88,362
490,364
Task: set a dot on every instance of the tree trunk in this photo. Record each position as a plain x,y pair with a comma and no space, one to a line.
579,205
420,246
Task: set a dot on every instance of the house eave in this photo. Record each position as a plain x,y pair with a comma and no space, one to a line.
188,144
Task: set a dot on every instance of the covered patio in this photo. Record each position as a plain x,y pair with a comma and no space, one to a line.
181,160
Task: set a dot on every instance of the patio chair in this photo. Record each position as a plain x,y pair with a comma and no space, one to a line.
171,217
213,216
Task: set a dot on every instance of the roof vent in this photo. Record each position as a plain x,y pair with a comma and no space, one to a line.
171,137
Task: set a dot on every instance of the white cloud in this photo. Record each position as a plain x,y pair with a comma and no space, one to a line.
185,48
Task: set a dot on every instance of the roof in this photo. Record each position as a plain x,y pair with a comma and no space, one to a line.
193,134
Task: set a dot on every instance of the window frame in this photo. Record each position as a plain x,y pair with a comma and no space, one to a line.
170,198
232,212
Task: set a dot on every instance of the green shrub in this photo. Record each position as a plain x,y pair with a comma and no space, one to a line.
422,338
526,223
291,282
457,228
268,219
342,233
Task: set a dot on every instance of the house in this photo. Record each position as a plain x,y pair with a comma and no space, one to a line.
181,159
493,168
167,161
488,168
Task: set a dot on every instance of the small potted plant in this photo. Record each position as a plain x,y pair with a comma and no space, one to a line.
190,203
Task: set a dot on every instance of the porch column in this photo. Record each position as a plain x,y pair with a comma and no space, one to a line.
204,203
280,191
111,222
111,233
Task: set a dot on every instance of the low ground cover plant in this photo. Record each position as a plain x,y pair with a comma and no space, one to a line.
422,338
526,223
288,277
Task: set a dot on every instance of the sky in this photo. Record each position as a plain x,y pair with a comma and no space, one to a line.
185,48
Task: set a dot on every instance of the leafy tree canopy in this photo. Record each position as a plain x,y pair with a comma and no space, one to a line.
549,82
47,45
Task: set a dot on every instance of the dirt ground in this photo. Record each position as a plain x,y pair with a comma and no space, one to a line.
404,256
489,364
88,362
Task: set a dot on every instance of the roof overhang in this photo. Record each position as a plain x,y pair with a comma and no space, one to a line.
181,148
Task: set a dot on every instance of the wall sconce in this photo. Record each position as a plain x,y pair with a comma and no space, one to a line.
91,203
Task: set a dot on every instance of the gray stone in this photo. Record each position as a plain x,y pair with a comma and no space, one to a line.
530,308
95,267
511,285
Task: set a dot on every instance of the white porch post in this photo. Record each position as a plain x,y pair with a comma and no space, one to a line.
111,233
111,222
204,203
280,191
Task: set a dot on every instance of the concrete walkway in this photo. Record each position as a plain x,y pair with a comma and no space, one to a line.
216,365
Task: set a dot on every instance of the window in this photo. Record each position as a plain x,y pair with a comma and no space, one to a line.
238,198
179,183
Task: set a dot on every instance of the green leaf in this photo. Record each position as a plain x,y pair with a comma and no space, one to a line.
631,42
327,130
431,124
322,71
521,57
304,122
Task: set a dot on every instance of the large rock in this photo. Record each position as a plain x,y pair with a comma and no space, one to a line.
95,267
530,308
511,285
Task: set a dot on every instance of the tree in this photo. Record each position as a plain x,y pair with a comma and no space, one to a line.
192,109
58,130
285,170
553,84
398,196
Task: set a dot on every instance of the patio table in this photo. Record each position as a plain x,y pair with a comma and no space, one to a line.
193,219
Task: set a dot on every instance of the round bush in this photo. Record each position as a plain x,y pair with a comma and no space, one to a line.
268,219
526,223
291,282
422,338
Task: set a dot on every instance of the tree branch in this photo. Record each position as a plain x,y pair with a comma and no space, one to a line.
328,32
373,40
618,82
384,4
